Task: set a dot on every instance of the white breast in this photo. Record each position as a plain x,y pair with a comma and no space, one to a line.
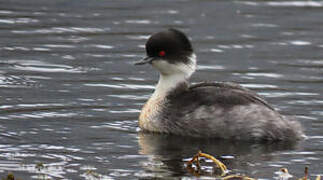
150,114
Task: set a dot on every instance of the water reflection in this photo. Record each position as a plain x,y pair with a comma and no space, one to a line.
172,151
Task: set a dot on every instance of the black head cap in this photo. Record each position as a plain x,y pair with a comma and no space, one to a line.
171,45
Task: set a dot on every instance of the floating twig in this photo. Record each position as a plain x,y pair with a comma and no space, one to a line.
306,174
237,177
219,164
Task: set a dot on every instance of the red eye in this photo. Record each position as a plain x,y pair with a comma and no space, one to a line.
162,53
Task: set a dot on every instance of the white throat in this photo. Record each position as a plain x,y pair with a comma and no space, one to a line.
172,74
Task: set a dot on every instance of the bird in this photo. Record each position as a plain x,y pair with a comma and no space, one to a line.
224,110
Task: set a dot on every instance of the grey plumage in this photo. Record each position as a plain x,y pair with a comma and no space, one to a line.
223,110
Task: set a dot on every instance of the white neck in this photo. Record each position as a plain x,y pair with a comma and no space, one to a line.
166,83
171,75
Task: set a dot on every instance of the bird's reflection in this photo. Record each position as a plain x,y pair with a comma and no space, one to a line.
171,151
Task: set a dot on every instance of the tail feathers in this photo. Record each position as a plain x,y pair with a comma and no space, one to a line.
294,130
286,129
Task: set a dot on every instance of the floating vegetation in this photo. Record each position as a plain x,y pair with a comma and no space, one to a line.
40,166
220,171
283,174
195,159
92,173
306,174
10,176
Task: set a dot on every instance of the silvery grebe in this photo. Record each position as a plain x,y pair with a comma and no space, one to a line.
209,110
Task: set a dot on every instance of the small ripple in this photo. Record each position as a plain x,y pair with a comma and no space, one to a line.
260,86
60,30
285,94
129,55
142,21
128,156
296,3
101,46
98,55
75,39
216,50
48,69
264,25
133,97
120,172
6,21
315,137
313,63
10,135
307,117
169,11
40,66
307,102
178,22
136,79
142,46
126,126
125,111
70,57
270,75
20,48
228,157
249,3
204,67
16,81
121,86
236,46
40,49
51,147
15,48
280,43
299,153
40,115
90,174
212,50
300,43
276,165
258,74
59,46
138,37
6,12
40,105
117,78
320,113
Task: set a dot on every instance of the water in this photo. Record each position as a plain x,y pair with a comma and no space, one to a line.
70,96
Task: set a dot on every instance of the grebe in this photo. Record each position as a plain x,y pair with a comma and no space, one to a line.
209,110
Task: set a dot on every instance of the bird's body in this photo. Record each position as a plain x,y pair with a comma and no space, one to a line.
208,110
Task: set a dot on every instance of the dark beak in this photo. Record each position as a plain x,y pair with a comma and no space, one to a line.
144,61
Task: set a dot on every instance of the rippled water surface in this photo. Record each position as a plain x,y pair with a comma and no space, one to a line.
70,96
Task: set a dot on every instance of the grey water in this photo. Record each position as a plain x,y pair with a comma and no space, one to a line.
70,96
